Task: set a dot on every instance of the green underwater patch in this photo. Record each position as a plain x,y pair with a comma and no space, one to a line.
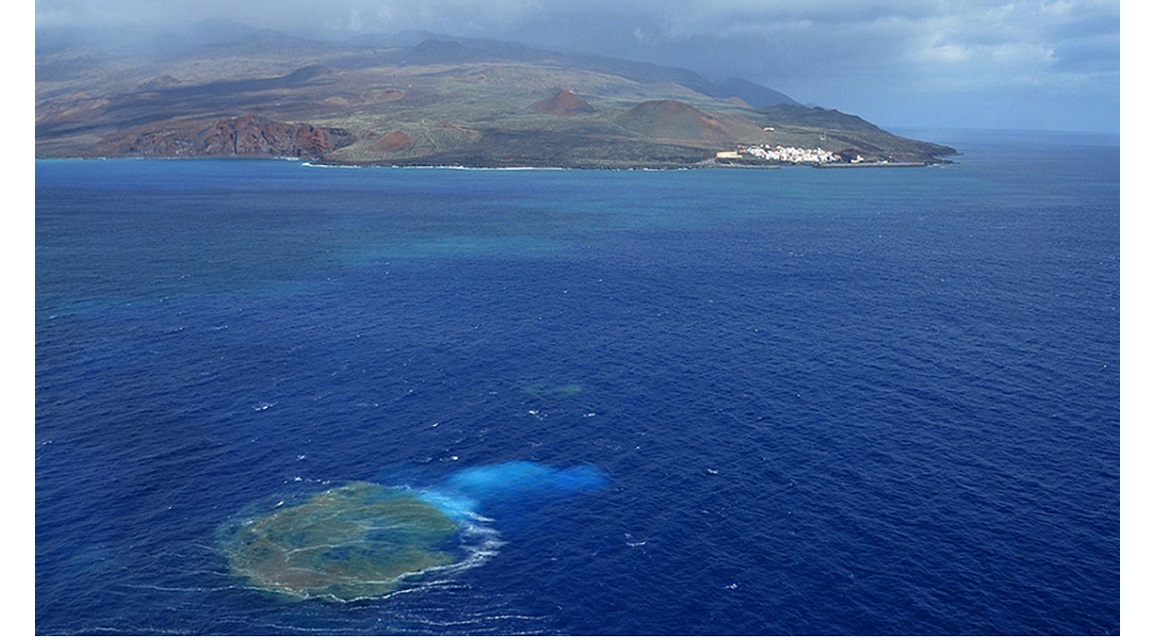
357,541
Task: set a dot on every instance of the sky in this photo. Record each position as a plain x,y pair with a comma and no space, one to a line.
996,64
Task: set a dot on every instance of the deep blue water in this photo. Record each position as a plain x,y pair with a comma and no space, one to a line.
824,402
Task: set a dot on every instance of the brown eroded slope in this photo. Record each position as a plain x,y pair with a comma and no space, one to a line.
247,135
564,103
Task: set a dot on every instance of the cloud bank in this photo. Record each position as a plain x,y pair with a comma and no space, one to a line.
977,63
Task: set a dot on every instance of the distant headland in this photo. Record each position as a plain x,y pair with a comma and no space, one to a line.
457,102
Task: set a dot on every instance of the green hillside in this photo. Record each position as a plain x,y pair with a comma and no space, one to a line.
437,102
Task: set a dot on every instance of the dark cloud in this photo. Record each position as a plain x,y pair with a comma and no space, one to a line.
893,62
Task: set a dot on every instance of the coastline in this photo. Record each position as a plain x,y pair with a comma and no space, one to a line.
873,165
706,164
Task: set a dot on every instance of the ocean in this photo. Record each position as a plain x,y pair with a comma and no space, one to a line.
579,402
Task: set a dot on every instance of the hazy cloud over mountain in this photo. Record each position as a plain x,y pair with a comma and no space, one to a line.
970,63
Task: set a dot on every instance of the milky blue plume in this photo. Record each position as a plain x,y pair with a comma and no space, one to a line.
524,480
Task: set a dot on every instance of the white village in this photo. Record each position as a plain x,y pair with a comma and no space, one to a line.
793,155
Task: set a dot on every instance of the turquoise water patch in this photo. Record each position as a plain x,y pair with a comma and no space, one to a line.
549,391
